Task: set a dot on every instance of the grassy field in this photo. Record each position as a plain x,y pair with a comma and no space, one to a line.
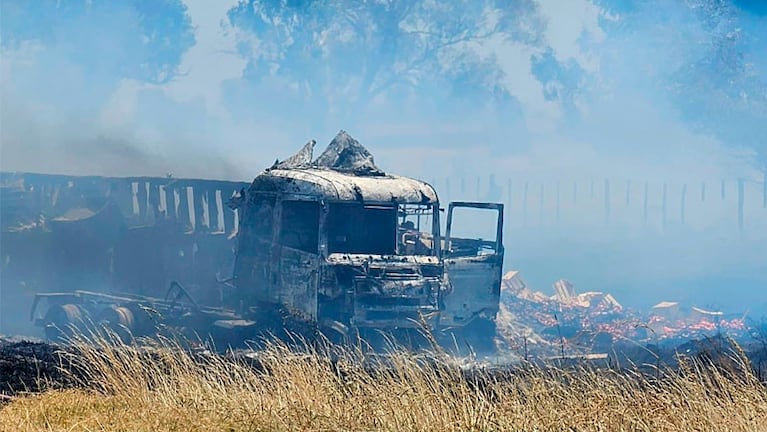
162,388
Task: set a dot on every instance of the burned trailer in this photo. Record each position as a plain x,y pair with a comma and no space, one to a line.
356,251
80,247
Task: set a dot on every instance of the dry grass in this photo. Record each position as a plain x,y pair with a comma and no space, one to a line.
161,388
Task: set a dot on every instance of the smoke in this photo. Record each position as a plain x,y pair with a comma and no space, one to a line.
554,94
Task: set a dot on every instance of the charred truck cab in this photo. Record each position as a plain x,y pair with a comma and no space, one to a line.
341,244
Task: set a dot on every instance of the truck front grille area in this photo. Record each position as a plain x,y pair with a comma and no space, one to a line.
383,319
388,302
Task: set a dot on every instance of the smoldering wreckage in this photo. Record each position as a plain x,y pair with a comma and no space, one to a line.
331,246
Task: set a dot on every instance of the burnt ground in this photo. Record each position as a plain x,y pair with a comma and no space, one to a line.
34,366
29,366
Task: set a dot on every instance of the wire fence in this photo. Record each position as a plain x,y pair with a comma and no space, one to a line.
663,205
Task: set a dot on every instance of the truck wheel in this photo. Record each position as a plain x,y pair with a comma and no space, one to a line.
63,321
119,320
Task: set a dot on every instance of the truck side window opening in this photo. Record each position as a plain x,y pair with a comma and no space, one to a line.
259,220
300,224
362,229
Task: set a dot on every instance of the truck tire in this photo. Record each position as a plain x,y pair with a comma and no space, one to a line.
120,320
63,321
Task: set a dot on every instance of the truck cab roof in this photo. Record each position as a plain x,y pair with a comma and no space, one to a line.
333,185
345,171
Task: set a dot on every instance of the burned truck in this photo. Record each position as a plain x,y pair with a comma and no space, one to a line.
332,246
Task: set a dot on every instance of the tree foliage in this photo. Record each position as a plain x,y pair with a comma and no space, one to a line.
721,89
138,39
712,80
357,50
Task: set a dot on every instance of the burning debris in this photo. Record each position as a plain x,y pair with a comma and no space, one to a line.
575,324
669,321
565,291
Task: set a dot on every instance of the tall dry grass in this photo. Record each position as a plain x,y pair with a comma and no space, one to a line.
159,387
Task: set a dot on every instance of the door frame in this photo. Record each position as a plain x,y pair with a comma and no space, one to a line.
476,205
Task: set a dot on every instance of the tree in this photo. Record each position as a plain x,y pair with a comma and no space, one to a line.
135,39
724,93
347,53
710,78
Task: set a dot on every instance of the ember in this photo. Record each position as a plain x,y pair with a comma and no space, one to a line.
594,321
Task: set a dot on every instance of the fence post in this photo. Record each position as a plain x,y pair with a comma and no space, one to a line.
644,208
684,195
741,199
607,202
723,194
524,203
764,188
557,214
575,192
663,205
